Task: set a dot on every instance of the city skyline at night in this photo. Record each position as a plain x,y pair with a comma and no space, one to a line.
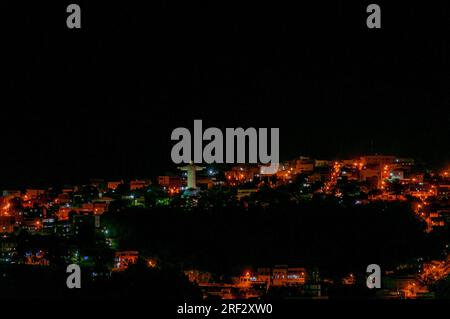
209,158
102,213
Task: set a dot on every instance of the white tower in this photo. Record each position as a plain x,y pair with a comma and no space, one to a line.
191,170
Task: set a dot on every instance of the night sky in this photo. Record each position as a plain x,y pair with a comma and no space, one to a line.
101,102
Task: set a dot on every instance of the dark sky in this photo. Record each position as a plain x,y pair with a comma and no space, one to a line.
102,101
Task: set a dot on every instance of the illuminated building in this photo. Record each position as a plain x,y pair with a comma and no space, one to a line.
7,251
379,160
63,212
443,190
63,199
170,181
101,205
405,164
49,225
242,174
285,276
199,277
323,163
32,225
304,165
34,193
113,184
350,173
98,206
7,224
139,184
241,193
68,190
397,174
284,175
123,259
439,218
12,193
36,257
264,275
64,228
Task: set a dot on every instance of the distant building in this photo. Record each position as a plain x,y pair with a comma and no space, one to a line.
68,190
36,257
439,218
319,175
370,173
34,193
264,275
63,212
64,228
123,259
205,182
98,183
49,225
405,164
32,225
323,163
349,162
378,159
284,175
63,199
114,184
101,205
304,166
199,277
415,178
397,174
285,276
266,170
242,174
97,206
7,224
443,190
7,251
350,174
171,181
241,193
11,193
139,184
